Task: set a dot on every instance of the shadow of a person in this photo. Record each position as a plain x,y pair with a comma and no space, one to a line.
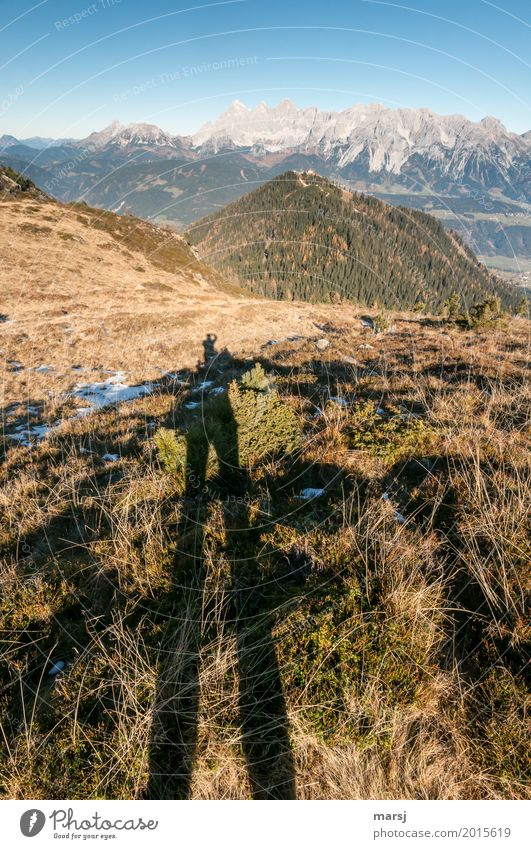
265,734
209,347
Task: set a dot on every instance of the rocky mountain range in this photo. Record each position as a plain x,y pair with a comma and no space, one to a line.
402,142
476,176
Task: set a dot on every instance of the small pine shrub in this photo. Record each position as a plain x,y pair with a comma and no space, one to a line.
380,323
452,308
266,425
487,314
238,429
523,308
172,450
256,379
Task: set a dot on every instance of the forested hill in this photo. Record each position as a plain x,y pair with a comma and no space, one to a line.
302,237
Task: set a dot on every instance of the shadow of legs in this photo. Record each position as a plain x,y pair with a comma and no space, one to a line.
263,716
175,718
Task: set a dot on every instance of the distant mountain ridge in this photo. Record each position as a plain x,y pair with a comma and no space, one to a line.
415,144
302,237
412,157
377,138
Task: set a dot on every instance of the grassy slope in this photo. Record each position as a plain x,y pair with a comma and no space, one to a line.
400,645
84,287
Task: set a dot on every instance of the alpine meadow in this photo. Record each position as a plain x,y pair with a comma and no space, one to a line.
265,465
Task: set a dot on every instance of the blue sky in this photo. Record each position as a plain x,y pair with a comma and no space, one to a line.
68,67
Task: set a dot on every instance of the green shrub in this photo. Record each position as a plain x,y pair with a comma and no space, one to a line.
256,379
238,429
171,448
487,314
380,323
393,437
266,425
523,307
452,308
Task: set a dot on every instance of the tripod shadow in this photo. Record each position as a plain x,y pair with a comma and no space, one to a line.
262,710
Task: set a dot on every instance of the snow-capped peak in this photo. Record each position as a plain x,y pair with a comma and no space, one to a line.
128,135
386,137
103,137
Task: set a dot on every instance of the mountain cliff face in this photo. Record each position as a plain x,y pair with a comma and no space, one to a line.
300,236
400,142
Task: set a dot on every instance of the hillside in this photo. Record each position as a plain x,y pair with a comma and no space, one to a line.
308,580
300,236
88,292
14,184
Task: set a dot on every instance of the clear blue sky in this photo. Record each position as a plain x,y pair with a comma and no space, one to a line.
178,63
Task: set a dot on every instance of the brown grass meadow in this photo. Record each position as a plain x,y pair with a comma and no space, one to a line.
389,613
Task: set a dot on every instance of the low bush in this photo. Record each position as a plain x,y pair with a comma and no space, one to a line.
238,429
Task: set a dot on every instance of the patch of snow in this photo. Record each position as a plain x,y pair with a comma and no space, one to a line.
110,391
173,375
44,369
398,516
57,667
97,395
192,405
28,434
110,458
310,493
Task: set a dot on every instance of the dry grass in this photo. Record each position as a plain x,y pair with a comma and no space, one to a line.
78,286
400,646
382,651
